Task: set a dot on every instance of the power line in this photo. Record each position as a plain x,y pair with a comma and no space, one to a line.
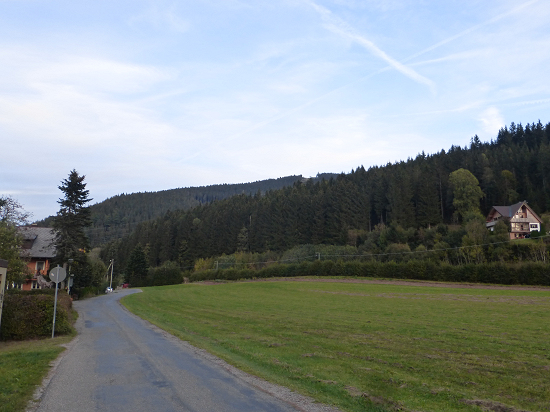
370,255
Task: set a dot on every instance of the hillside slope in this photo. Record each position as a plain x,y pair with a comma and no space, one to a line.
412,194
119,215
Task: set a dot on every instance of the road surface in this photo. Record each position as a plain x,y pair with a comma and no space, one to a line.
121,363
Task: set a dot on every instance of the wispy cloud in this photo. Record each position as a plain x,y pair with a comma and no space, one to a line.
491,121
340,27
226,91
162,17
472,29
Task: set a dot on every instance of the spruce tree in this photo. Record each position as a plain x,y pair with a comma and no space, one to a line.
72,218
136,270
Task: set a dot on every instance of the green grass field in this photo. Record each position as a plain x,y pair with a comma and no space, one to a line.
23,365
373,347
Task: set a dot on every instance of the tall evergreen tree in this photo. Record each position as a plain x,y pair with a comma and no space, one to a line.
136,271
399,196
72,218
428,208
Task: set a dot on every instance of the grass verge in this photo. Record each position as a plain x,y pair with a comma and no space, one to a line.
371,347
23,365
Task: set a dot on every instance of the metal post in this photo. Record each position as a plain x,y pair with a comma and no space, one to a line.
112,266
54,310
3,275
57,275
69,278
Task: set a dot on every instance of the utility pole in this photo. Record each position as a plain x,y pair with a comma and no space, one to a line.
69,279
3,275
112,267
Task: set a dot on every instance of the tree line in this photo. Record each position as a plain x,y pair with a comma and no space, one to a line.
119,215
413,194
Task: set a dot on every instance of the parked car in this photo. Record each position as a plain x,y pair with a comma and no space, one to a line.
108,290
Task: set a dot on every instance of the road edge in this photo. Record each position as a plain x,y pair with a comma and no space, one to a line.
301,402
34,403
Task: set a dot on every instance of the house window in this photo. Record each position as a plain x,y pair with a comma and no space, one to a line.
35,285
40,265
534,226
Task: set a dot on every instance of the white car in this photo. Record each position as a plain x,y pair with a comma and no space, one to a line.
108,290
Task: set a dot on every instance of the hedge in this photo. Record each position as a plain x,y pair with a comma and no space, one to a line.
30,315
525,273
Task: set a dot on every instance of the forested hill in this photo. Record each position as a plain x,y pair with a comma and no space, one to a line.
118,216
412,194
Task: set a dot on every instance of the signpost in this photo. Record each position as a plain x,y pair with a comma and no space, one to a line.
3,274
57,274
71,277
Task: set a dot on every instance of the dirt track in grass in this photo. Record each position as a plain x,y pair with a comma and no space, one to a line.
393,282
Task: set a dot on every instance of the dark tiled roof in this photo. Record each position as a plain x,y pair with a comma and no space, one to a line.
38,242
508,211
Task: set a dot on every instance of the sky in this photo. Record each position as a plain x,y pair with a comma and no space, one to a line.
154,95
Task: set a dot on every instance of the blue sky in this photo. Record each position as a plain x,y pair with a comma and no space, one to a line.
153,95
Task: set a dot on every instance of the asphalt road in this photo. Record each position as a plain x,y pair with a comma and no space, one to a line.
120,363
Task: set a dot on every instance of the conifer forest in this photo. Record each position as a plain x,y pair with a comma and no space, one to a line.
404,206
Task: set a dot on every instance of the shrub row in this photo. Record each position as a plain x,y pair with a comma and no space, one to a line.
30,315
167,274
526,273
34,292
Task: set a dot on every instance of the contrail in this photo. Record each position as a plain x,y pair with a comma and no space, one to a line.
471,29
338,26
472,105
346,30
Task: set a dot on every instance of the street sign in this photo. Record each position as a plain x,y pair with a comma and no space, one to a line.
58,274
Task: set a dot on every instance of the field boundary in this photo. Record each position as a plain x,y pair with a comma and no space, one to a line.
397,282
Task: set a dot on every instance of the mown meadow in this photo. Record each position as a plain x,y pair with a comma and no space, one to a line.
363,347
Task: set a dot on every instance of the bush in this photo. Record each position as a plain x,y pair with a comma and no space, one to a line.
46,291
167,274
30,315
528,273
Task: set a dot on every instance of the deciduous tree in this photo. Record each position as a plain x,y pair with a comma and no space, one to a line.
11,215
466,191
12,212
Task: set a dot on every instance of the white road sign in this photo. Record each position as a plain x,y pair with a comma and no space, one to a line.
58,274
